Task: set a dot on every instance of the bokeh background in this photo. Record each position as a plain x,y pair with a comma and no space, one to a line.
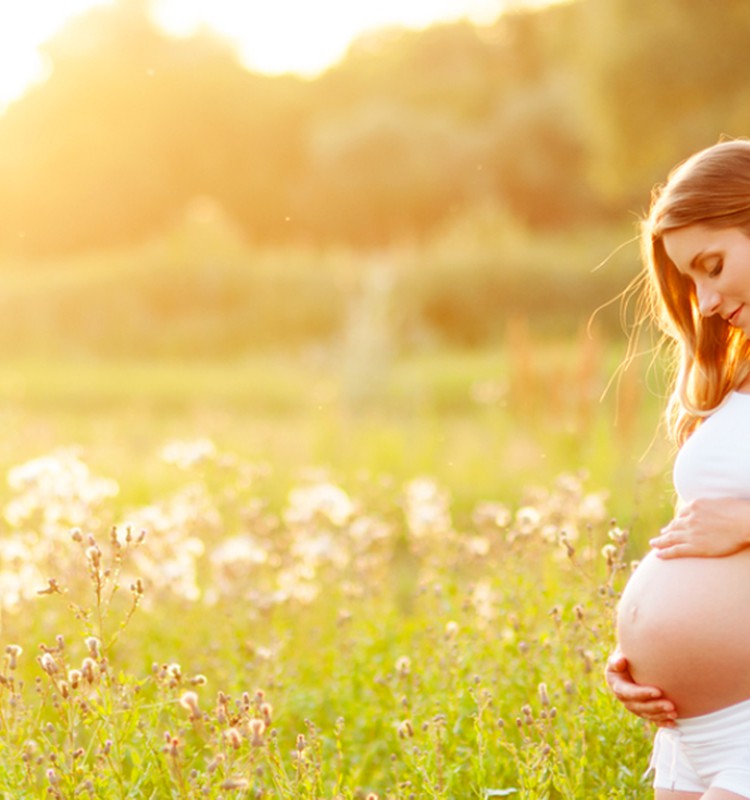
405,254
326,300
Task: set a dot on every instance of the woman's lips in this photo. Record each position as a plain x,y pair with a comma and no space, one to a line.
732,318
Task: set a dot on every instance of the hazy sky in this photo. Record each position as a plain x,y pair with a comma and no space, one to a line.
302,36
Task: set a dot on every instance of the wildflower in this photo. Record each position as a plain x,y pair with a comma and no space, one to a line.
48,663
618,536
588,660
257,728
235,783
185,455
89,670
527,520
189,701
13,651
94,556
93,645
451,629
172,746
233,737
405,729
565,542
543,695
403,666
323,501
266,710
174,673
198,680
215,763
427,508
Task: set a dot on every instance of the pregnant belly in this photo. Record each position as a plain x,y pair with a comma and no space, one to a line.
684,626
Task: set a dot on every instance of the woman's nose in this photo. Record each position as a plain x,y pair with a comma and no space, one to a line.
709,300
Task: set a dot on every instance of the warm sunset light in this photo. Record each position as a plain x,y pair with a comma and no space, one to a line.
302,37
23,27
284,36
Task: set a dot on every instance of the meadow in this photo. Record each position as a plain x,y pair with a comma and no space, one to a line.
268,577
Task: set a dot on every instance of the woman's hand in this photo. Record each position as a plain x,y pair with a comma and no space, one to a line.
706,528
647,702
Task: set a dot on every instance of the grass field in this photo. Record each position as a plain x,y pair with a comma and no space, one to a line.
388,582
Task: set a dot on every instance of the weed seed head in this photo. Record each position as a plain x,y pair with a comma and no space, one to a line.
403,666
189,701
233,737
94,556
257,728
48,663
215,763
13,651
235,783
88,670
543,695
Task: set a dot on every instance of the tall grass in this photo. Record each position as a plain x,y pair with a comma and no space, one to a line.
270,576
355,644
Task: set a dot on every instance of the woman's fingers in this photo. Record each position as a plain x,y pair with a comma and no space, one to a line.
677,551
647,702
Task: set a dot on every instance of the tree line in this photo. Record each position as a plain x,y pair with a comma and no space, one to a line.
561,117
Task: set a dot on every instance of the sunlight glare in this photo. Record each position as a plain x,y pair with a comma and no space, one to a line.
23,28
303,37
283,36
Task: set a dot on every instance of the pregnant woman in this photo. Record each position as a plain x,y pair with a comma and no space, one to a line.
683,659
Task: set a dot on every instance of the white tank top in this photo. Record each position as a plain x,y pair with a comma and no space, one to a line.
715,460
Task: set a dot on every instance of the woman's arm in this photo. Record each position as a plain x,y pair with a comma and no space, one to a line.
647,702
706,528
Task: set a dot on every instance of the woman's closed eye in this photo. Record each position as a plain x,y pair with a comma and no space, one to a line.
716,269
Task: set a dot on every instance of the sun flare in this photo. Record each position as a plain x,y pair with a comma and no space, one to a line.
284,36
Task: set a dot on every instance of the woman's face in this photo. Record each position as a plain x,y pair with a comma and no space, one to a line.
717,260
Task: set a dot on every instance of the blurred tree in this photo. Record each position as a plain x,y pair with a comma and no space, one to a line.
537,148
383,172
537,155
667,78
131,126
411,128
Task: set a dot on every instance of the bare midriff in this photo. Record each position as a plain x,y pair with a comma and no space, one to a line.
684,626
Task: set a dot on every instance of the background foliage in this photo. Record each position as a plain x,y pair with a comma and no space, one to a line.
157,197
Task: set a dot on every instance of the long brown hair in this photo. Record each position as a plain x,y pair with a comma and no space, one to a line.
712,188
